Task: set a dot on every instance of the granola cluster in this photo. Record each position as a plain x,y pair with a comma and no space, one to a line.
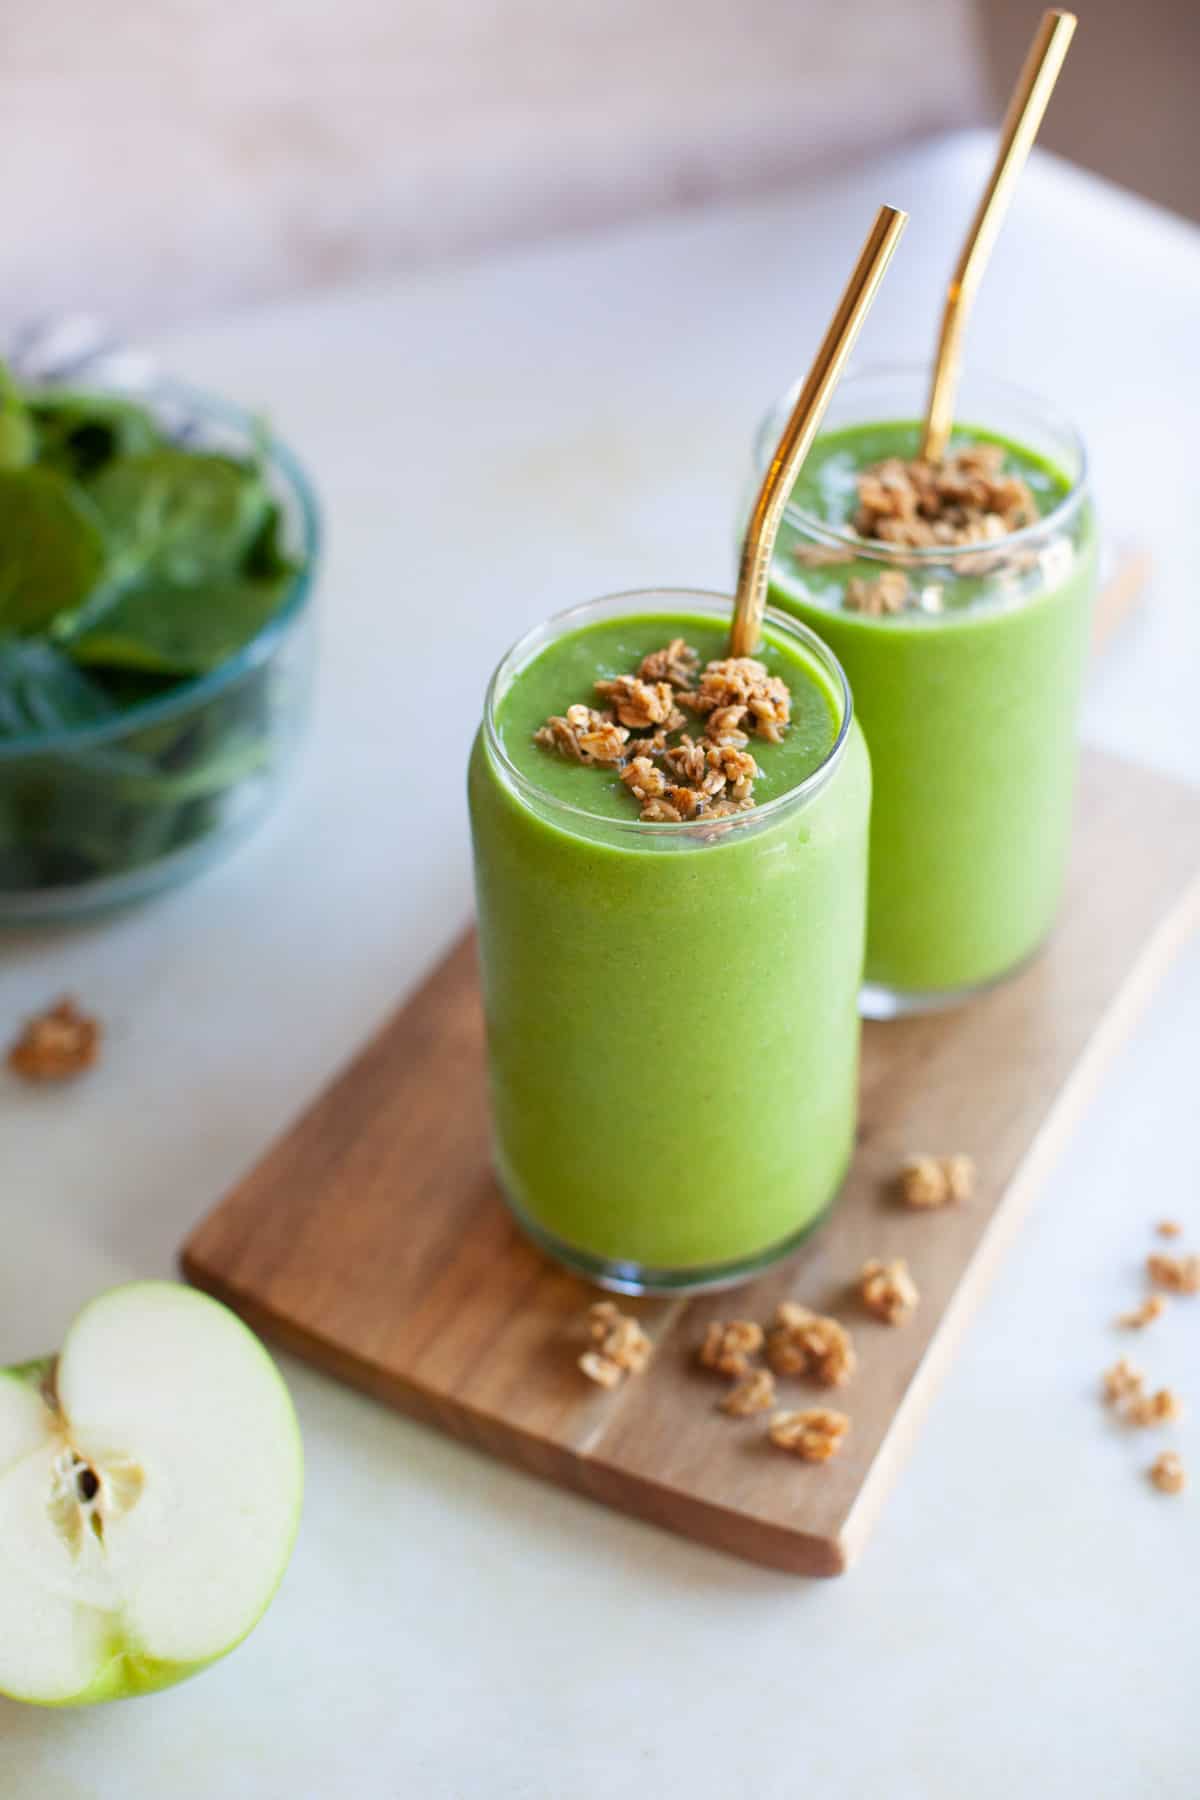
1167,1472
815,1434
708,776
803,1343
621,1346
878,595
929,1181
799,1342
56,1045
1177,1274
964,499
1125,1389
888,1290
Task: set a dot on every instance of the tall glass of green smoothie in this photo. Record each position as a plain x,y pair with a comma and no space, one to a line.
957,598
671,878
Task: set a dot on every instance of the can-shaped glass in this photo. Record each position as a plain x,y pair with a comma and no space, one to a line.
671,1008
968,694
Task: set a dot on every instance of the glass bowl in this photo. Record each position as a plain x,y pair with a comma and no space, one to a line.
98,815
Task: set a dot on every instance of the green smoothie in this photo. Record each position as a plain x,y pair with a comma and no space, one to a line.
671,1008
969,700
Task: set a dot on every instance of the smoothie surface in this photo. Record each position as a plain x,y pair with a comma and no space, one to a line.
565,672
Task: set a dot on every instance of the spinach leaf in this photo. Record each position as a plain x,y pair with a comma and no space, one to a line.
166,628
78,434
16,427
183,516
42,690
52,548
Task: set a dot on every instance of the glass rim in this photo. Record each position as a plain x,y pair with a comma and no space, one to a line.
550,630
198,689
879,549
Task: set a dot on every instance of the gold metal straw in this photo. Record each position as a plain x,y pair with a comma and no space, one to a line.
802,427
1026,109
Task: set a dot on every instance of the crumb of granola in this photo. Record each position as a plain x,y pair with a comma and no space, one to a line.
754,1394
601,1369
1122,1382
802,1342
620,1341
820,556
888,1291
643,780
639,703
1167,1472
929,1181
583,735
878,596
744,681
676,664
661,812
1152,1307
964,499
1169,1228
1154,1409
1177,1274
56,1044
815,1434
727,1348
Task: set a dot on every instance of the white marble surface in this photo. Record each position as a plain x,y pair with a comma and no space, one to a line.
1022,1622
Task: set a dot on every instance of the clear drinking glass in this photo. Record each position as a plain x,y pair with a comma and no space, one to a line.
671,1008
968,698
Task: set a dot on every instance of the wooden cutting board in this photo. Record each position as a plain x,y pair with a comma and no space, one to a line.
372,1240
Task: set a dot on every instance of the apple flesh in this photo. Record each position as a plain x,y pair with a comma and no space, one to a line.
150,1484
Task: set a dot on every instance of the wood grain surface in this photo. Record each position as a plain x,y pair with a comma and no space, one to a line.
372,1239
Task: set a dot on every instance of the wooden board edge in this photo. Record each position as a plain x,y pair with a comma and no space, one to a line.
1132,999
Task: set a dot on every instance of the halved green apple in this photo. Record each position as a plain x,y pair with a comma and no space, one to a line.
150,1484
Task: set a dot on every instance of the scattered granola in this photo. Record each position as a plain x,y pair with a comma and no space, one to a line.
1122,1382
878,595
622,1347
1169,1228
815,1434
801,1342
820,556
1177,1274
728,1348
754,1394
964,499
56,1045
1154,1409
1153,1307
1167,1472
929,1181
712,777
888,1291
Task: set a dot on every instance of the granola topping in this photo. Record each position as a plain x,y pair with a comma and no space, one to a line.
1161,1408
1169,1228
964,499
815,1435
888,1291
878,595
55,1045
1167,1472
711,776
804,1343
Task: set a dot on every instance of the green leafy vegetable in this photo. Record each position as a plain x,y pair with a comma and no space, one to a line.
129,564
78,434
52,548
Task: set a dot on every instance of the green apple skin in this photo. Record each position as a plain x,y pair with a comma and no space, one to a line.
129,1673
